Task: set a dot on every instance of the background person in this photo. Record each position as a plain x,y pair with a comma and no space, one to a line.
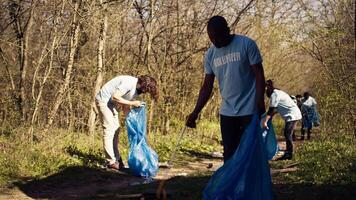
282,103
310,115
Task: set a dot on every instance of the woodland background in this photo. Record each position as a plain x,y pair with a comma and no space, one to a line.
56,54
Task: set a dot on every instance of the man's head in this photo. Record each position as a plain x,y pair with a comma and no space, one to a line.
269,87
147,84
299,97
306,95
218,31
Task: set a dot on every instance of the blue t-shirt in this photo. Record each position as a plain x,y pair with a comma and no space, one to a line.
232,67
125,84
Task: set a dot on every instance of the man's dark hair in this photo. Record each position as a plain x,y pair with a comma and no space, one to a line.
269,88
298,96
149,84
218,23
269,83
306,95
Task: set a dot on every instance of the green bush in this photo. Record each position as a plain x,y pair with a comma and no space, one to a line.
326,162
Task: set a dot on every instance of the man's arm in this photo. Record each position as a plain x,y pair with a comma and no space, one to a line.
204,95
260,87
271,111
117,98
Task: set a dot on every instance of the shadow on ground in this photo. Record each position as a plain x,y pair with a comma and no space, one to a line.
314,192
82,183
76,183
198,155
191,188
96,184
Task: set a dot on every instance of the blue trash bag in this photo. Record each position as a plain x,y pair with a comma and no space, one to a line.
269,139
246,175
310,117
142,160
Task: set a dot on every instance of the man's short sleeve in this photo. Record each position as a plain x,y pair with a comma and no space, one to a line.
122,87
207,64
314,102
253,53
274,100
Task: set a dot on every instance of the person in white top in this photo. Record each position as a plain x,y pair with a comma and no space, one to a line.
282,103
120,92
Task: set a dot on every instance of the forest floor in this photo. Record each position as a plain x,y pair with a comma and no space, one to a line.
186,180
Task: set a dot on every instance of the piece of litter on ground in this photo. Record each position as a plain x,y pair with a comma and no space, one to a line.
287,170
164,165
139,195
210,165
216,154
148,180
135,183
182,174
144,181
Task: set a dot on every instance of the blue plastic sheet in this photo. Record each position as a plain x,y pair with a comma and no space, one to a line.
310,117
269,139
246,175
142,160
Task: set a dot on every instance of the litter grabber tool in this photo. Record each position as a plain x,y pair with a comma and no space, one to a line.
161,192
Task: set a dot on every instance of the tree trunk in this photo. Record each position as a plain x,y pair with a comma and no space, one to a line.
24,62
72,50
100,66
47,72
22,35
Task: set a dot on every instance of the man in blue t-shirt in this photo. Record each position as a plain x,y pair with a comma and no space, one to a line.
236,62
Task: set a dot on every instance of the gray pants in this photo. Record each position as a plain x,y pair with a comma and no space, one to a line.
288,132
110,121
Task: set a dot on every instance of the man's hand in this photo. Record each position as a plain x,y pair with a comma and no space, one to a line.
191,120
265,120
264,124
136,104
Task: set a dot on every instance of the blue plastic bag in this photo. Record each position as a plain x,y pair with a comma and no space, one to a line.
269,139
142,160
246,175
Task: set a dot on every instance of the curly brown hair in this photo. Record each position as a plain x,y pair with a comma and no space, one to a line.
148,84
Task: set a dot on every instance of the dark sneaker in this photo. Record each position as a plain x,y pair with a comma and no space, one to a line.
116,166
121,165
286,156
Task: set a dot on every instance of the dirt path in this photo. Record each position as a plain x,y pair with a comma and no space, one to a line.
79,183
96,182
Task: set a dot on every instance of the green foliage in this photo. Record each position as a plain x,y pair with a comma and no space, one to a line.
22,159
328,162
325,162
202,140
278,125
51,152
